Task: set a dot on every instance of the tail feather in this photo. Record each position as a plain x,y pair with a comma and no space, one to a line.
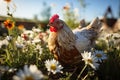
95,24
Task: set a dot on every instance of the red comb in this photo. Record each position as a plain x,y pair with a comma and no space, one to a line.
54,17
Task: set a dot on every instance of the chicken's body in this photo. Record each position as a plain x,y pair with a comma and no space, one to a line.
67,45
62,45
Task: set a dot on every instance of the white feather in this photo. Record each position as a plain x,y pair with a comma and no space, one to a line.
82,41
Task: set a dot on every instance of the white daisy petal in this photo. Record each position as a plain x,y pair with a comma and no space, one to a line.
90,60
53,66
31,73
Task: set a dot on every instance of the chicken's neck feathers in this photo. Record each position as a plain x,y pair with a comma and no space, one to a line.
66,38
52,40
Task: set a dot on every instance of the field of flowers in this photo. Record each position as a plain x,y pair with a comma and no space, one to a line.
24,55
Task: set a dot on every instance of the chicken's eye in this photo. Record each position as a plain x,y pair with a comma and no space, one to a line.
51,23
57,22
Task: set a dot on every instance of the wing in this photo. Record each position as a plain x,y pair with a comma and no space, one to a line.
85,37
83,43
86,33
91,31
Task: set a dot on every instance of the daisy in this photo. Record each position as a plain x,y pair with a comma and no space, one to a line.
4,43
37,30
9,38
90,59
19,42
100,55
18,45
39,48
53,66
36,41
31,73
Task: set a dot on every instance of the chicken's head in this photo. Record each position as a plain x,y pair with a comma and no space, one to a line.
55,23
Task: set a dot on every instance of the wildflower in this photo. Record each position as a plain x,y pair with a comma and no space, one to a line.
28,34
21,27
39,48
90,59
53,66
19,42
12,70
9,24
25,37
4,43
31,73
36,41
67,6
8,1
100,55
9,38
37,30
18,45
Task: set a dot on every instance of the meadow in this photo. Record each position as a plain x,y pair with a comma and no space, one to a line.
24,54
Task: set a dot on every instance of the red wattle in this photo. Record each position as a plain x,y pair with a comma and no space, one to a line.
53,29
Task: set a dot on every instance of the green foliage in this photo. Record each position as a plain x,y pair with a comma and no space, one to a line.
70,18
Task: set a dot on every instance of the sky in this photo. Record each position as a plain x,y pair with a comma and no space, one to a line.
29,8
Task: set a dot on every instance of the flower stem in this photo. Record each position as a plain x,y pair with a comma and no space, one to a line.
85,77
8,57
82,71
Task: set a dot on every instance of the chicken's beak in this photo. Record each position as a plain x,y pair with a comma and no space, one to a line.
48,25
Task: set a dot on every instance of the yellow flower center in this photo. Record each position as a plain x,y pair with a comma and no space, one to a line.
53,67
98,55
29,78
90,61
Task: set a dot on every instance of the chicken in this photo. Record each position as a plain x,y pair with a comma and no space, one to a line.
67,45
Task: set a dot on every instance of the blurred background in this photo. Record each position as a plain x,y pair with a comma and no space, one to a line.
22,16
71,11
